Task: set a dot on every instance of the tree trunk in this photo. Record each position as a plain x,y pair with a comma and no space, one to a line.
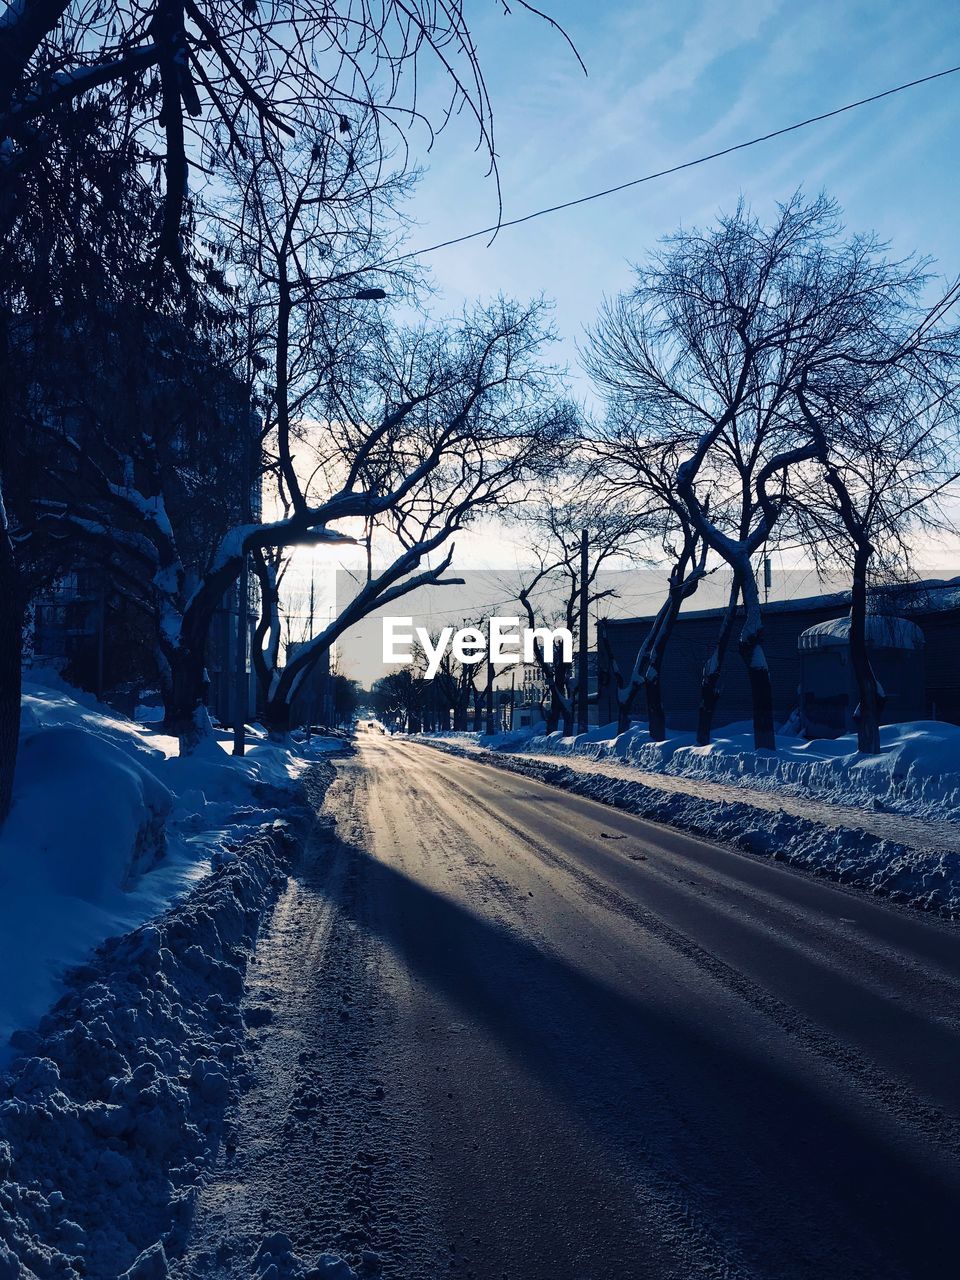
713,668
264,660
680,590
624,708
11,639
553,714
758,673
282,689
184,697
276,717
684,579
656,716
612,673
868,712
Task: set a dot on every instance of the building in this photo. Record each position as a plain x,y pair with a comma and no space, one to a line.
529,695
932,606
829,694
531,699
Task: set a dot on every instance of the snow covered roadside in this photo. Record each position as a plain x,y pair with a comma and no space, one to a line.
113,1104
116,1107
925,878
108,827
918,772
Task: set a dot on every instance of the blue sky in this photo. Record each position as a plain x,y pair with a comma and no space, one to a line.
668,82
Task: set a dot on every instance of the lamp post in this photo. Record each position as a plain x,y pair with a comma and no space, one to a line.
583,713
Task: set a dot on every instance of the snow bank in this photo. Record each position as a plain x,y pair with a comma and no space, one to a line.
87,816
917,773
108,828
113,1104
505,740
116,1107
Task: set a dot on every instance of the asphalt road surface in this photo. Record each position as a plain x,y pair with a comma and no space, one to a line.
516,1034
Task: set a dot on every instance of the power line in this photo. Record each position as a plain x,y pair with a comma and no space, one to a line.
677,168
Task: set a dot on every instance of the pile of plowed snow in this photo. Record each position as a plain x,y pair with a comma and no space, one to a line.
115,1107
917,771
109,826
113,1103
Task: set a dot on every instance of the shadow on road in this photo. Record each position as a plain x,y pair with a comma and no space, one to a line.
769,1159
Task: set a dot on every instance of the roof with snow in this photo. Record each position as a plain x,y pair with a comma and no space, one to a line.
931,595
883,632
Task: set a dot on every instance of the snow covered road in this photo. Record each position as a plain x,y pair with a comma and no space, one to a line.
505,1031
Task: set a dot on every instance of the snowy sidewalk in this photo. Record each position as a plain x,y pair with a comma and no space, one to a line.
916,833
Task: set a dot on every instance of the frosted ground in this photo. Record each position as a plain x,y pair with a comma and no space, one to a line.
108,827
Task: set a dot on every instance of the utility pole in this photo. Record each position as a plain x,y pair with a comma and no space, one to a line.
583,713
491,728
243,584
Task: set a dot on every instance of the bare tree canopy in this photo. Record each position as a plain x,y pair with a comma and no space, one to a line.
713,356
221,172
563,515
195,80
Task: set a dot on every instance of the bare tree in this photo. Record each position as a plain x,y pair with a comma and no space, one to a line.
457,681
399,698
721,330
159,96
553,591
196,79
886,459
627,467
443,424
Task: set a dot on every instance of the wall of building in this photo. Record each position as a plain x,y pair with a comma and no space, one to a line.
935,610
692,643
941,664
